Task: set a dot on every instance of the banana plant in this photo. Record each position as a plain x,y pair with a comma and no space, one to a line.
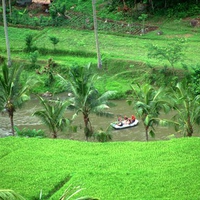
188,109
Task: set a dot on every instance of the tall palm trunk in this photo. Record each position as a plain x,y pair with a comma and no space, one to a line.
54,134
12,124
10,7
189,124
190,128
88,128
54,131
6,33
146,132
11,109
99,65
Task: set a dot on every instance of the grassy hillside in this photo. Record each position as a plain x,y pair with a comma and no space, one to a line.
117,170
120,53
81,42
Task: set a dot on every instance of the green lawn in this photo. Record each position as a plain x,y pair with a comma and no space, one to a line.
116,170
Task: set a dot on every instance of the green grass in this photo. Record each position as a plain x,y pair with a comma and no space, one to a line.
116,170
120,53
112,46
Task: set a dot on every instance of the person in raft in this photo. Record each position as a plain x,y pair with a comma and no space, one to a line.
120,123
125,118
133,118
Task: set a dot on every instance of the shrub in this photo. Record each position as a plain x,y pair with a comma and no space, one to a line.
54,40
25,132
29,43
103,136
33,58
2,59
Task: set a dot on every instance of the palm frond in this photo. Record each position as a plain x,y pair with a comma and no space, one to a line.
6,194
60,108
105,96
104,114
44,117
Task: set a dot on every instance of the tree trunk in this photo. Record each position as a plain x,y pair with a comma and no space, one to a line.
146,132
10,8
99,64
88,128
152,6
12,124
190,128
54,135
6,33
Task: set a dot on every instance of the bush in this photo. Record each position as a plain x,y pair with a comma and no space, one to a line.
2,59
33,56
25,132
103,136
29,44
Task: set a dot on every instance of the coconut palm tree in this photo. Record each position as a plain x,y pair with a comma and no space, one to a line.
86,98
148,104
99,64
6,33
12,93
188,109
52,115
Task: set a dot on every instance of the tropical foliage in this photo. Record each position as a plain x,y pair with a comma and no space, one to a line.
188,109
173,52
53,115
12,93
26,132
7,194
148,103
103,135
86,99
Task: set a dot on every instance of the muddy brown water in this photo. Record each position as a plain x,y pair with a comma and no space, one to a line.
23,118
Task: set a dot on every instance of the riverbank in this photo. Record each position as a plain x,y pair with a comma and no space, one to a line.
4,133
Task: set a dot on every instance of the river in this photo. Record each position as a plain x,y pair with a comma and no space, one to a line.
23,118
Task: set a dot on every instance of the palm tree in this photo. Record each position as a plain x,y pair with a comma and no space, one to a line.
6,33
188,109
99,64
10,7
12,93
52,115
148,104
86,98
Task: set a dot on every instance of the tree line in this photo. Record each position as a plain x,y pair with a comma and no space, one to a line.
146,100
154,4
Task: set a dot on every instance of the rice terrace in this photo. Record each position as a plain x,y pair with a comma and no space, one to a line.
99,100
